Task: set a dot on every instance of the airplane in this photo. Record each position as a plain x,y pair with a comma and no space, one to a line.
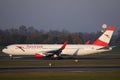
58,50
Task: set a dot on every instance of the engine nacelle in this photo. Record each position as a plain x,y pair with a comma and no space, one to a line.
55,56
38,55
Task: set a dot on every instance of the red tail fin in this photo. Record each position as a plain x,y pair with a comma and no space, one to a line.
105,38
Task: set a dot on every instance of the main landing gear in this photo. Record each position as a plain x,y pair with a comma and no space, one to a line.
11,57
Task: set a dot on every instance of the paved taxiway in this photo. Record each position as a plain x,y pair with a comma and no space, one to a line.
45,69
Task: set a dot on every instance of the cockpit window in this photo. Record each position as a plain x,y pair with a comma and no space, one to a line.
6,47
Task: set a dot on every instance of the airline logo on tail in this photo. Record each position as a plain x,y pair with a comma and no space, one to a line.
104,40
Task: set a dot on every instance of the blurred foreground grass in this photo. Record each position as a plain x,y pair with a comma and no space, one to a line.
101,75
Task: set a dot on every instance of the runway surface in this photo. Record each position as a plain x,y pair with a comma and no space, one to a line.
111,57
45,69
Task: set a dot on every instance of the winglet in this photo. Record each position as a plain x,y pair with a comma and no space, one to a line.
64,45
88,42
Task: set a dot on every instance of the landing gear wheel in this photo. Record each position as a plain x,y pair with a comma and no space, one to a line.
11,57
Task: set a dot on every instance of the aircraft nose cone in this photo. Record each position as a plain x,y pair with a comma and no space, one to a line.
4,50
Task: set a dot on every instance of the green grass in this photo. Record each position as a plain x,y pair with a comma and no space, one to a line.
44,63
101,75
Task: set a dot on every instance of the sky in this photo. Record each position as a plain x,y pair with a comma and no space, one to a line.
71,15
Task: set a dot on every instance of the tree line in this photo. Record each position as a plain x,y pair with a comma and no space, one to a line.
30,35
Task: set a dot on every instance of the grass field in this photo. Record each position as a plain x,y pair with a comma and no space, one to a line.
55,63
101,75
60,75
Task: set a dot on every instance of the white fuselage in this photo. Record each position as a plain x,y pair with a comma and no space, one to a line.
32,49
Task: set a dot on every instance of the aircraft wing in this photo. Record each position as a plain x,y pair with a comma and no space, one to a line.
55,52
